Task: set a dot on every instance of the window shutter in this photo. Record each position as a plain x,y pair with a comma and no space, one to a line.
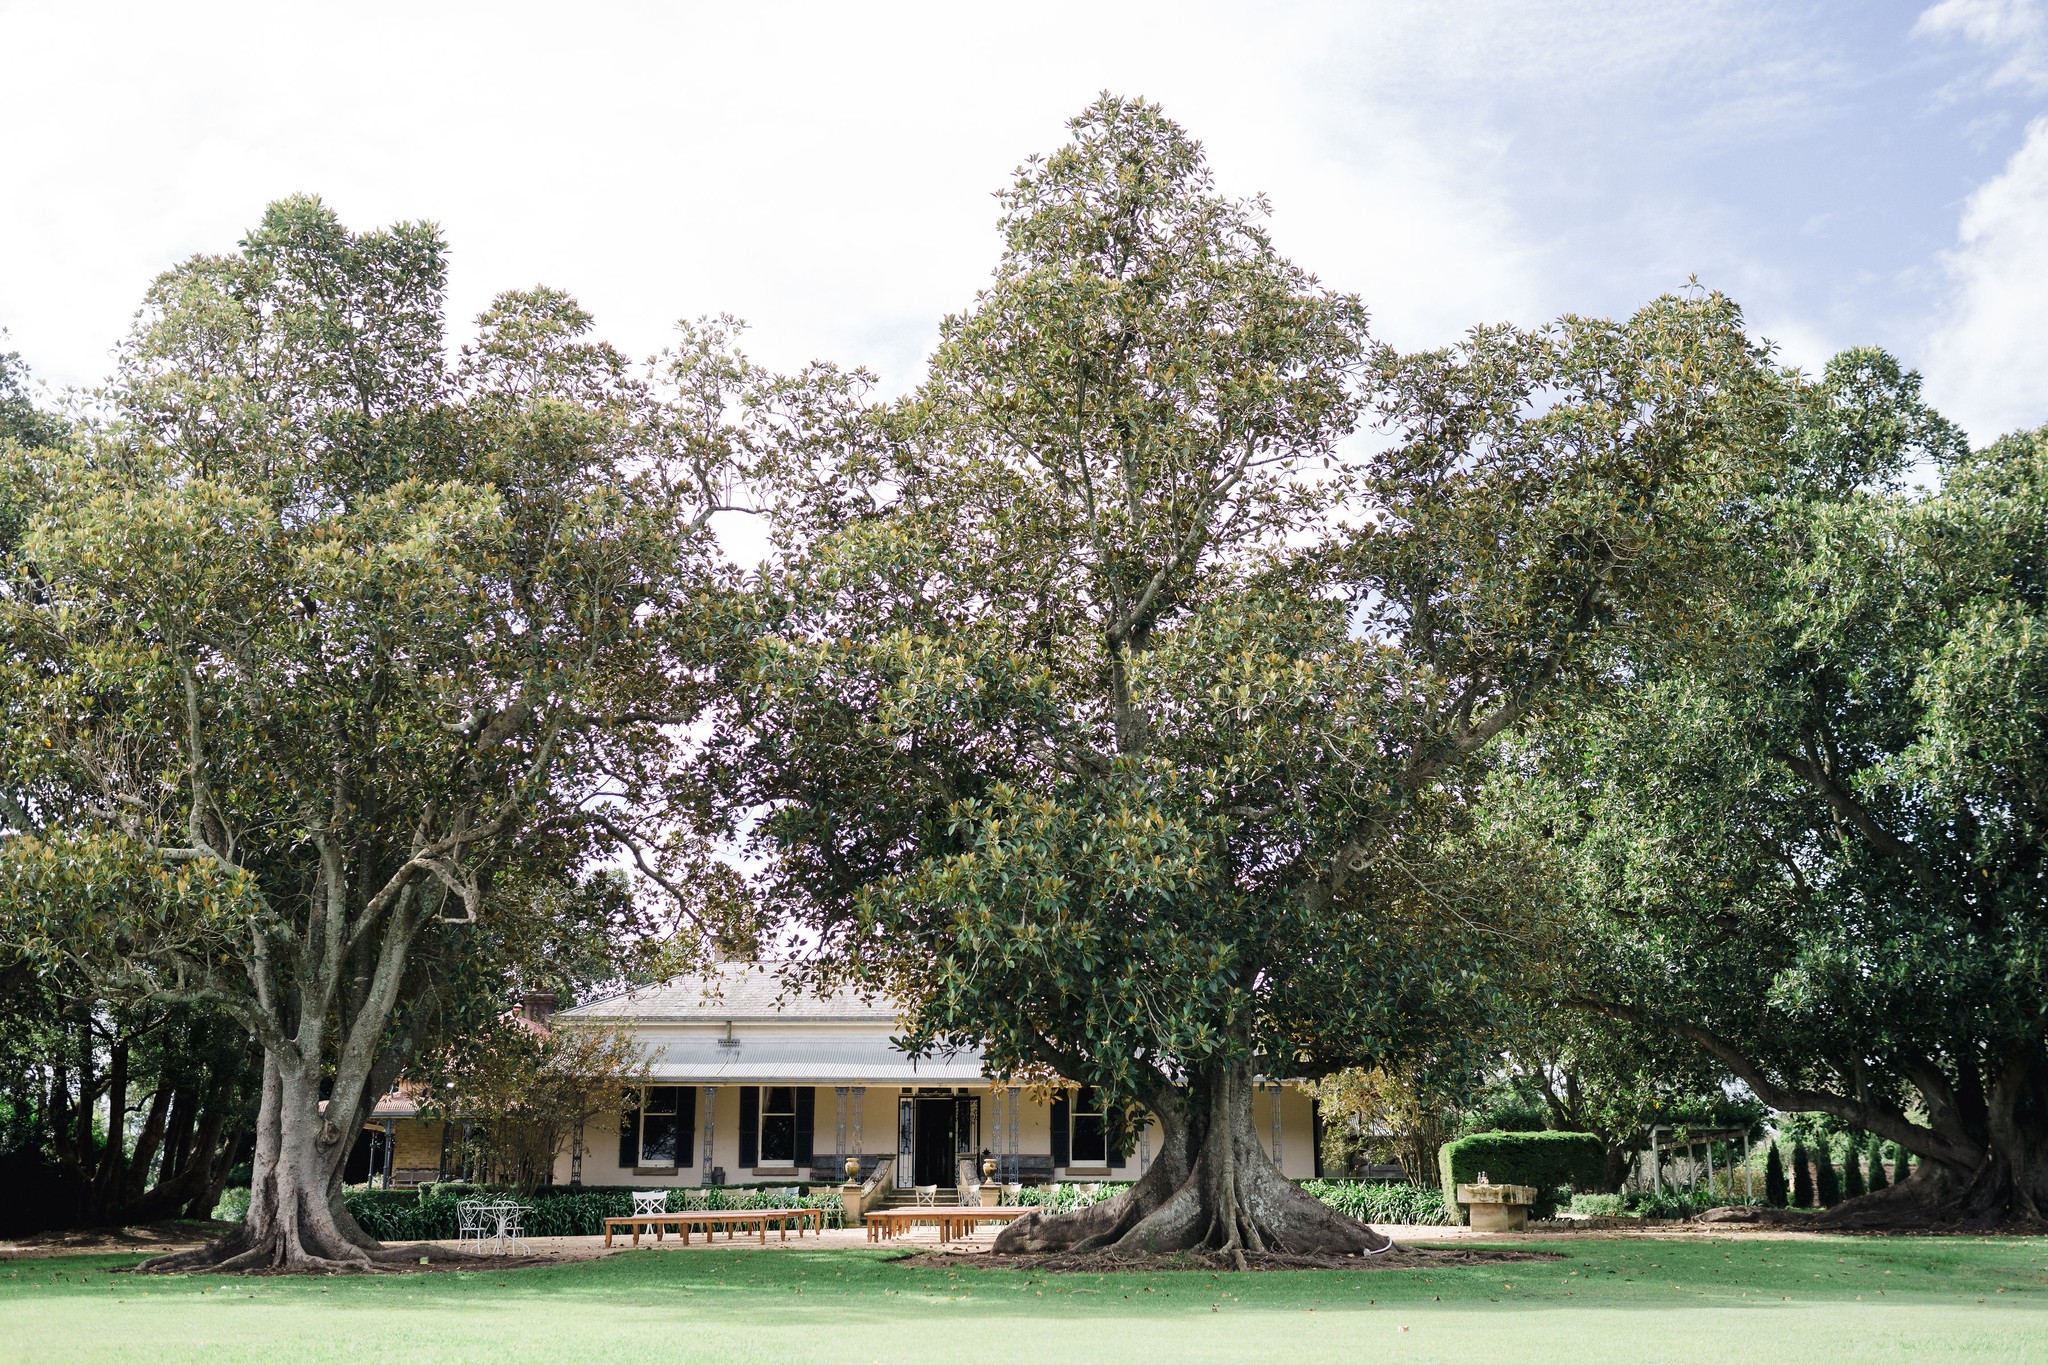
1059,1130
806,1126
750,1126
686,1121
629,1130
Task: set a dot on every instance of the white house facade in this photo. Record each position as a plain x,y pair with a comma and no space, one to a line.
749,1084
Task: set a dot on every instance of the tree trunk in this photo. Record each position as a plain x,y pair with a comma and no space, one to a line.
296,1219
2007,1189
1211,1188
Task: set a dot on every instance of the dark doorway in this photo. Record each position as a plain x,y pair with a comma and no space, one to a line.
934,1163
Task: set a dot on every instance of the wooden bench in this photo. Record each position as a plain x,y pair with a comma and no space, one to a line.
951,1221
710,1219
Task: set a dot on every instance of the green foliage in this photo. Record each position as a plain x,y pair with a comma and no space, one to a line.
1877,1179
1555,1163
559,1211
233,1205
1371,1201
1852,1173
1064,1197
1901,1168
1124,735
1802,1177
1598,1205
1808,839
1827,1181
1775,1193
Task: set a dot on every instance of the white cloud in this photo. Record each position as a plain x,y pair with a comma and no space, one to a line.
2014,31
1988,364
823,170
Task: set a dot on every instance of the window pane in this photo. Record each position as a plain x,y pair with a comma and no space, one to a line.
778,1139
658,1138
1088,1101
661,1099
1089,1148
779,1099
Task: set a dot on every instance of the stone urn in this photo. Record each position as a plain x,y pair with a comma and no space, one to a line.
1498,1208
852,1170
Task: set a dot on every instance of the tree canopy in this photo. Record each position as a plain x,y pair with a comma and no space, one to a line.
1121,733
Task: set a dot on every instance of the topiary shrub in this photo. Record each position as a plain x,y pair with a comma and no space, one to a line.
1775,1192
1852,1175
1878,1179
1802,1178
1827,1183
1901,1169
1555,1163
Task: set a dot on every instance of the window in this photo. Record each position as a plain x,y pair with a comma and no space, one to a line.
1090,1148
659,1125
778,1125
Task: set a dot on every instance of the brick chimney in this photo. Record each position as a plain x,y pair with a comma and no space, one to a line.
536,1006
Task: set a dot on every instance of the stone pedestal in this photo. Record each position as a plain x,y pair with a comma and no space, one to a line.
1498,1208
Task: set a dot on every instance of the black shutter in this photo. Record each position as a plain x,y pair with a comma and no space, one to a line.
1315,1134
750,1126
1126,1137
1059,1130
686,1123
806,1126
629,1130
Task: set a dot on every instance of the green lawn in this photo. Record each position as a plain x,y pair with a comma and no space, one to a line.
1781,1301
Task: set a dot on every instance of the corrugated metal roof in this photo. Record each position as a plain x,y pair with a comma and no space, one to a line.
736,991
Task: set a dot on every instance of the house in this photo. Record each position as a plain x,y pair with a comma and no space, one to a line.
749,1083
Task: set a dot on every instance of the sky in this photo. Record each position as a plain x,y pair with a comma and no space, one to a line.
1858,172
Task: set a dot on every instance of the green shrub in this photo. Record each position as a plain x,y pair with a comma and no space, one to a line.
1802,1177
1827,1182
1901,1169
1555,1163
1380,1201
1877,1175
1598,1205
1774,1179
233,1206
1066,1196
1852,1175
561,1210
1669,1203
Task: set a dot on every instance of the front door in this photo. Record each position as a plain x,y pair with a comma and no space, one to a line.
934,1162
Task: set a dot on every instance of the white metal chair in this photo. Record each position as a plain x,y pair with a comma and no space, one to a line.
647,1202
472,1222
926,1194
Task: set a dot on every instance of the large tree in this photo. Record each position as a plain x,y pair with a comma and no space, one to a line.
1117,725
333,662
1814,847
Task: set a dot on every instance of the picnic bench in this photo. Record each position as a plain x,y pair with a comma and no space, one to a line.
711,1219
951,1220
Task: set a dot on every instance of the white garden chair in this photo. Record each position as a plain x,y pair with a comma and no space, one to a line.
472,1223
649,1202
926,1194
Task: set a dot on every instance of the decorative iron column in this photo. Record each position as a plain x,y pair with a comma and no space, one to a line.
1014,1149
1276,1128
390,1146
576,1156
839,1125
710,1107
860,1105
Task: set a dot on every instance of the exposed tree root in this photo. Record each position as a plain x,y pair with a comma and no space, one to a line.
1934,1200
1212,1189
1108,1262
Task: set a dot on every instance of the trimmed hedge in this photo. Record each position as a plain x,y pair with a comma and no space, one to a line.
557,1210
1552,1162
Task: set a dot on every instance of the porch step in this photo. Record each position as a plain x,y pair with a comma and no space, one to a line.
898,1199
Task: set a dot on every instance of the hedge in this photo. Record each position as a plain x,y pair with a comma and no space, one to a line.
1552,1162
1372,1201
557,1210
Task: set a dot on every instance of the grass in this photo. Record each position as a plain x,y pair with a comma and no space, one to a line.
1609,1300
